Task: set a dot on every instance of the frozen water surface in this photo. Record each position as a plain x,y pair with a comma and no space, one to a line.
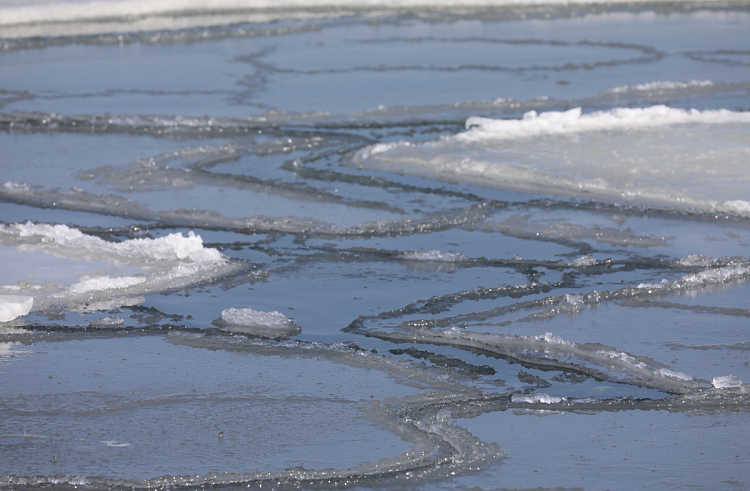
339,245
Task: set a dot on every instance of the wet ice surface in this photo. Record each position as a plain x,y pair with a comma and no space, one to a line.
274,253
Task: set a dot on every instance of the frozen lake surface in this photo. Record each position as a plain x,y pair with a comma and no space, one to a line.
358,245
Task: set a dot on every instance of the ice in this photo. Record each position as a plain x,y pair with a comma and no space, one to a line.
266,324
615,156
107,322
433,255
537,398
574,121
141,265
149,254
728,381
14,306
587,260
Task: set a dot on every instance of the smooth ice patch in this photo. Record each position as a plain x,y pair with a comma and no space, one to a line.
617,156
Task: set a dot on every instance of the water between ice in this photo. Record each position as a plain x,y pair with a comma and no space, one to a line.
373,245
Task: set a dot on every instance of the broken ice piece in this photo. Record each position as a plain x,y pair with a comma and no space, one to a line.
726,382
265,324
13,306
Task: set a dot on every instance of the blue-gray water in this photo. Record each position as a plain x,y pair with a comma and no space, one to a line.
558,303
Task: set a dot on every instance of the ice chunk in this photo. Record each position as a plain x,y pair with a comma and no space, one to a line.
13,306
266,324
537,398
726,382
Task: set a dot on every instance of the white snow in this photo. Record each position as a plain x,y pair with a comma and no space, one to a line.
574,121
14,306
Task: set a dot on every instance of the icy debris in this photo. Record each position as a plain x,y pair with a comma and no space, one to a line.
587,260
378,148
552,339
266,324
71,242
653,286
537,398
107,322
14,306
727,381
433,255
696,260
573,303
574,121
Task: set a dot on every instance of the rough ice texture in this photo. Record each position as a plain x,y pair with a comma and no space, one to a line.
537,398
173,261
587,260
433,255
14,306
727,381
574,121
70,242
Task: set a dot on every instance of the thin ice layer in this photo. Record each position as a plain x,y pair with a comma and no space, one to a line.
656,156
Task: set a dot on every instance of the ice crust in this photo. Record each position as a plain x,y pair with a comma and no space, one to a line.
146,266
574,121
14,306
535,155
